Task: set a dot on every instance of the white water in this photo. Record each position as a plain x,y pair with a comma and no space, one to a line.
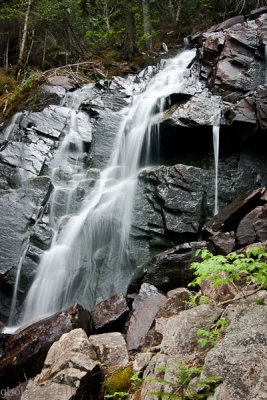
68,271
8,132
216,140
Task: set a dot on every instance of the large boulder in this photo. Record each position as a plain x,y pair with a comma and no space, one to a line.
168,270
240,356
68,372
25,351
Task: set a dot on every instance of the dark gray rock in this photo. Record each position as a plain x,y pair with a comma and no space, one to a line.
19,211
109,315
239,19
145,307
223,243
168,270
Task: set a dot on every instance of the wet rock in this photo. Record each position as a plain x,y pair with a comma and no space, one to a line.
257,12
261,106
68,372
52,94
62,81
168,270
239,19
223,243
246,233
239,357
243,111
26,350
228,218
110,349
145,307
109,315
180,334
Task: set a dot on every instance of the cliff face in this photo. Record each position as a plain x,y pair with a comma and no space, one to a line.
226,86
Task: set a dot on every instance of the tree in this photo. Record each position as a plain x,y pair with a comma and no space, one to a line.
130,47
147,24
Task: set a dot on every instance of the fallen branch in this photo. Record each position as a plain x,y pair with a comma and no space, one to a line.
240,297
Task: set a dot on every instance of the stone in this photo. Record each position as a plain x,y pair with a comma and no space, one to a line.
220,293
180,334
159,360
168,270
260,96
141,361
243,111
68,370
109,349
228,218
145,307
240,355
246,233
223,243
239,19
110,315
62,81
26,350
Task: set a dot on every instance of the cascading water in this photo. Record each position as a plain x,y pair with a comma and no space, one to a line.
98,236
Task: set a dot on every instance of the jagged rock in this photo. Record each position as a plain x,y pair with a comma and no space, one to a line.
110,349
180,334
68,372
223,243
257,12
141,361
15,393
52,94
239,19
260,96
228,218
246,233
62,81
221,292
243,111
19,211
168,270
239,357
145,307
159,360
109,315
25,351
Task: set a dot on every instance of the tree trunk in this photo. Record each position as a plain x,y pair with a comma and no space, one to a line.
7,53
105,12
30,49
178,11
130,47
147,24
24,34
44,51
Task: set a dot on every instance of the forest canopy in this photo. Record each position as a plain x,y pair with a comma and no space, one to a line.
50,33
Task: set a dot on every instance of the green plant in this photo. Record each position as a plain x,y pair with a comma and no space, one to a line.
209,335
194,299
222,269
180,385
118,383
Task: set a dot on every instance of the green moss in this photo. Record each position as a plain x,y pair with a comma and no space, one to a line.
7,83
119,381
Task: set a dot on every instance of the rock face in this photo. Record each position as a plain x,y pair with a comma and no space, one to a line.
239,357
68,372
25,351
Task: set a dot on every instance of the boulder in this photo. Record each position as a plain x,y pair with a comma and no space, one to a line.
228,218
68,372
240,356
25,351
180,334
168,270
141,361
145,307
220,293
109,349
109,315
223,243
246,233
228,23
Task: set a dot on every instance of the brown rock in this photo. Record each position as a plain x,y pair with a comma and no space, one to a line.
110,349
261,225
227,24
68,373
229,217
145,307
246,233
26,350
110,315
243,111
223,243
220,293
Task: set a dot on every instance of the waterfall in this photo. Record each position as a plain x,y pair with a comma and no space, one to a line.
216,140
97,235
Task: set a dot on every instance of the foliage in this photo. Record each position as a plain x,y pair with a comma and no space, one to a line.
222,269
180,385
210,336
194,299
